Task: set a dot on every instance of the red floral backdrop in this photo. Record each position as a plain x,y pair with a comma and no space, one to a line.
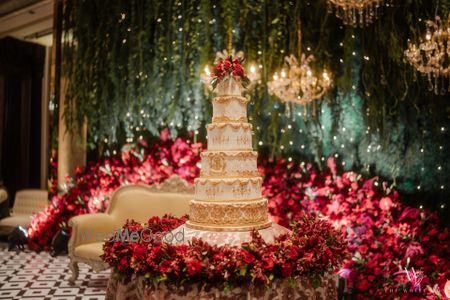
397,251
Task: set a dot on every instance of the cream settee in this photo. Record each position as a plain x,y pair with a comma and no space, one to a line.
137,202
26,203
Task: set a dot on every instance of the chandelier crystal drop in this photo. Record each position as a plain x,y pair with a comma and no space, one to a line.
356,12
297,83
432,56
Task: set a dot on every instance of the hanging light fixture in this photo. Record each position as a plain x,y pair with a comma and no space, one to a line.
432,56
296,82
356,12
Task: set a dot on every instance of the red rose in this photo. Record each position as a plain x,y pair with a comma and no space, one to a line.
293,253
420,262
194,266
362,285
247,257
219,256
154,253
268,263
434,259
287,270
123,264
363,249
226,65
139,251
433,231
238,70
308,256
164,267
442,236
385,203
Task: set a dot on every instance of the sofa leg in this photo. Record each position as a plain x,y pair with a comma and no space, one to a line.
73,266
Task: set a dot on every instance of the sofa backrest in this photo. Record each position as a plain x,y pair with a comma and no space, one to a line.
30,201
141,202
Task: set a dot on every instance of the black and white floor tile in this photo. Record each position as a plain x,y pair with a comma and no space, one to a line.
31,275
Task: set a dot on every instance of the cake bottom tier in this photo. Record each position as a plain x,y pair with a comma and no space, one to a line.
228,216
185,235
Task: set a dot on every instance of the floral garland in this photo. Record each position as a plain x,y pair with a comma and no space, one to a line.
384,236
312,249
228,68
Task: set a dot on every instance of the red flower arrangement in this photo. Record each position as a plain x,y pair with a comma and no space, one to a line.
90,190
229,67
312,249
388,240
384,236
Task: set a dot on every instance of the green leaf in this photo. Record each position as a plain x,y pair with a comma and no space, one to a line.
214,82
243,271
162,278
291,282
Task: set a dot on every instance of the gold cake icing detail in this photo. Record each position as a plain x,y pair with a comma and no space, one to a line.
227,201
234,214
228,191
225,99
232,125
223,119
229,164
217,164
241,153
242,140
242,181
240,174
220,139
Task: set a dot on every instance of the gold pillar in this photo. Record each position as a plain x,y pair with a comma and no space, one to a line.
71,145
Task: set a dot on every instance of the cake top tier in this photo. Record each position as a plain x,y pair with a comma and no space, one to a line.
229,78
229,87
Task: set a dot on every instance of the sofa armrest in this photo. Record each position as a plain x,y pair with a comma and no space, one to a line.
91,228
3,195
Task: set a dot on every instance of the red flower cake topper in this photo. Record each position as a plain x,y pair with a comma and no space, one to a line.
227,68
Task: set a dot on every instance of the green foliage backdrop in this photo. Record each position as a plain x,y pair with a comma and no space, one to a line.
134,65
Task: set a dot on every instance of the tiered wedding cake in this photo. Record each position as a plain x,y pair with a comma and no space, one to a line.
227,204
228,192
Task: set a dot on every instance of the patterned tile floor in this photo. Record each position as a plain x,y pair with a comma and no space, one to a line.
31,275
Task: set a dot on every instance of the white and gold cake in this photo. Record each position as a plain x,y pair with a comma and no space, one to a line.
228,191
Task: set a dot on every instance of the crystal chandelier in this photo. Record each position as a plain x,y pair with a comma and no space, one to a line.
356,12
297,83
432,56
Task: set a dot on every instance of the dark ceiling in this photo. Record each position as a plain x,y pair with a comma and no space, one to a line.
9,6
